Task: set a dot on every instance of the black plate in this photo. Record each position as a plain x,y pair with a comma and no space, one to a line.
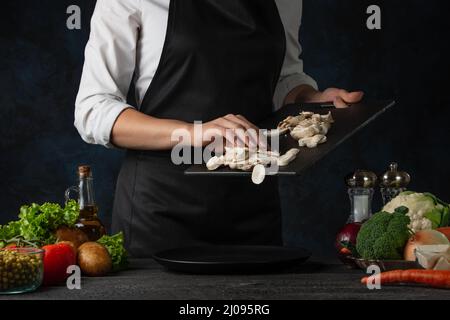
231,259
347,123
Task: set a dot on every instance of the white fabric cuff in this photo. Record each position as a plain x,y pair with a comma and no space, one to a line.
95,126
287,84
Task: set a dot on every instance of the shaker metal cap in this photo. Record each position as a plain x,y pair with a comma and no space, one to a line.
362,179
393,178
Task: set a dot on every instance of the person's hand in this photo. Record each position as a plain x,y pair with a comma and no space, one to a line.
236,130
339,97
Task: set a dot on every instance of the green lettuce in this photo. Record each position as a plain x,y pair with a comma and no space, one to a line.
115,246
38,223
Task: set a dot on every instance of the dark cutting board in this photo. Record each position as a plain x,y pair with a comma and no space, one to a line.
347,123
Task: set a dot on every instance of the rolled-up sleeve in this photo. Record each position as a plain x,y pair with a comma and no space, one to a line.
292,74
110,60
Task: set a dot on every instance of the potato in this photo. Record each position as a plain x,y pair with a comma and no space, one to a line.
76,236
94,259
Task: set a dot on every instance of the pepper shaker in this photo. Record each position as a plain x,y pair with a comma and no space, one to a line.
361,186
393,182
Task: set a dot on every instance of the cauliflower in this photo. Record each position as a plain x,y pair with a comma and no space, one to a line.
425,210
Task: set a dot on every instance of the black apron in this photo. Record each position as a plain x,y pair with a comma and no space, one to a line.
220,57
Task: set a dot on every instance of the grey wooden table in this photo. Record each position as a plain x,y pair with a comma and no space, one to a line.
148,281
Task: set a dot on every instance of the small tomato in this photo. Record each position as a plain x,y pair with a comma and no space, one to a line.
57,258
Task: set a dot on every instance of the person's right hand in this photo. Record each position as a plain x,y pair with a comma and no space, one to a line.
235,130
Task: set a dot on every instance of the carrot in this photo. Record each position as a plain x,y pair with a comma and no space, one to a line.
430,278
445,231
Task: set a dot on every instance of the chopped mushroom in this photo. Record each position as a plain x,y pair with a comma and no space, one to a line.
258,174
215,163
288,157
243,159
276,132
312,142
308,128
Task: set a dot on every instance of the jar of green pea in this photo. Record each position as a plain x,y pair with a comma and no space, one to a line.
21,270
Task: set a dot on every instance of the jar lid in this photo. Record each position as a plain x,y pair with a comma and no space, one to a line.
393,178
362,179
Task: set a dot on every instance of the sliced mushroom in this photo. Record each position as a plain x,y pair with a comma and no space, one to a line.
317,118
233,155
215,163
246,167
300,132
308,128
328,118
325,128
258,174
306,123
276,132
288,157
291,122
268,153
312,142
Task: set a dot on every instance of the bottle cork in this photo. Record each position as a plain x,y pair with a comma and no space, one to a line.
84,171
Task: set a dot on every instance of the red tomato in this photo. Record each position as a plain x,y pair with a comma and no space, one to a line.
57,258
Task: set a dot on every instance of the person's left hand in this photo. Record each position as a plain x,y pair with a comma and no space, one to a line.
339,97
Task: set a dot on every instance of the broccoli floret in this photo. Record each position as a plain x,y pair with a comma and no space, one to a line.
372,229
384,248
384,236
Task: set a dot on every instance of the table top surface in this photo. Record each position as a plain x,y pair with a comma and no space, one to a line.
146,280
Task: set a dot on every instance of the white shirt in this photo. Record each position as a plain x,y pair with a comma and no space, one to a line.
127,37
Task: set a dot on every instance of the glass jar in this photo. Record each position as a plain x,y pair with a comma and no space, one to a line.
21,270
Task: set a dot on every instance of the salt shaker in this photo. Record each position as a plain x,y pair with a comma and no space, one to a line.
393,182
361,186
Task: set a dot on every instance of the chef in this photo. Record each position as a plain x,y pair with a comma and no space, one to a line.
227,63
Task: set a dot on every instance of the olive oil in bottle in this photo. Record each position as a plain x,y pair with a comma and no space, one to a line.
88,221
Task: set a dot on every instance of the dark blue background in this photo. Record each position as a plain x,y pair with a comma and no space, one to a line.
40,68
